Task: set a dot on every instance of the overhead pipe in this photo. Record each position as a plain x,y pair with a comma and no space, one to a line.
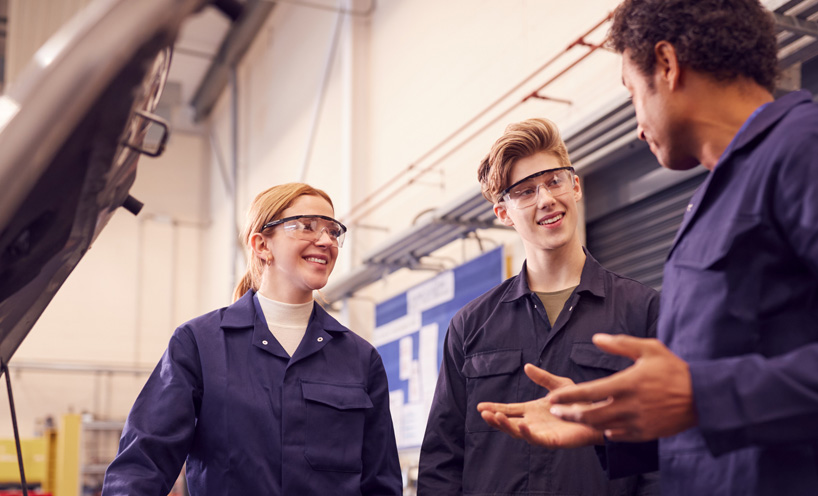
351,214
248,23
579,42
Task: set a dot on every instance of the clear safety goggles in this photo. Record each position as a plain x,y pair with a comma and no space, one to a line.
526,191
311,228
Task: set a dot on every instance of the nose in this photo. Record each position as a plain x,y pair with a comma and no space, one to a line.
324,239
544,196
640,132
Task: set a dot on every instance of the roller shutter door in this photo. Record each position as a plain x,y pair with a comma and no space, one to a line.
634,240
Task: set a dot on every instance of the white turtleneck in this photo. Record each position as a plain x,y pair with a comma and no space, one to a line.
287,321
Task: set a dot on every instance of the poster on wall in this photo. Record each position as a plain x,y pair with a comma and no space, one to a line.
409,333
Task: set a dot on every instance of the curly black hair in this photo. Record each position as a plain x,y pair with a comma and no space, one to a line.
724,38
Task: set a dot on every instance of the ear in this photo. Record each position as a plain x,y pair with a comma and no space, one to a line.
502,214
259,245
577,189
667,70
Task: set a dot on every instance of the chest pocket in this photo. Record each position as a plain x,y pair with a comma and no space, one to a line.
335,425
708,249
708,270
589,362
490,376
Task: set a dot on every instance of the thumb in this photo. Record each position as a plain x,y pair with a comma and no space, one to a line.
546,379
623,344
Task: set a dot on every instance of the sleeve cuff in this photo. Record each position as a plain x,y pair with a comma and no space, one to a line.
716,405
625,459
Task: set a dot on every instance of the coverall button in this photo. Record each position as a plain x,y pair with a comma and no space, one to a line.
264,342
320,339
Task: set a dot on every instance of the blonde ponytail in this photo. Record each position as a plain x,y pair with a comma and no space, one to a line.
244,285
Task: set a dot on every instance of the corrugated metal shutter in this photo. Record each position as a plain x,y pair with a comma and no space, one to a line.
634,240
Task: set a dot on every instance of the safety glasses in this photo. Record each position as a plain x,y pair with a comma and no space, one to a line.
526,191
310,228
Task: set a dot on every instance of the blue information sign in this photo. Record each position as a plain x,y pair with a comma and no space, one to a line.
409,334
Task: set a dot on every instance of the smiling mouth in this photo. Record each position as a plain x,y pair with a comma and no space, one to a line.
551,220
316,260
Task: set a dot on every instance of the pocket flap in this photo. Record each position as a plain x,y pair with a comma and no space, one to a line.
588,355
493,363
720,243
340,396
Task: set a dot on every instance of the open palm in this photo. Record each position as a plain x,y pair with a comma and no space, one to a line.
533,422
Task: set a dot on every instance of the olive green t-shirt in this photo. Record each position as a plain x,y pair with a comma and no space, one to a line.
554,302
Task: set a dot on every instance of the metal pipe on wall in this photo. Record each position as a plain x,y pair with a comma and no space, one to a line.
358,210
174,264
217,151
234,173
102,377
82,368
322,93
173,282
484,127
140,270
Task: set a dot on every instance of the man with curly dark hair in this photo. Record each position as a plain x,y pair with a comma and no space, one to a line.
727,39
730,388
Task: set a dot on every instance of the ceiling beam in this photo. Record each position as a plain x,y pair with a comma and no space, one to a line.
235,44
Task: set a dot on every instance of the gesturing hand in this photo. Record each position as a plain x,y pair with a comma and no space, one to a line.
533,422
652,398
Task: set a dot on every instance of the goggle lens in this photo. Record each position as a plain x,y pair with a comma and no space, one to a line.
311,228
525,193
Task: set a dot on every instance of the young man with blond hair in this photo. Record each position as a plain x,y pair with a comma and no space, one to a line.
545,315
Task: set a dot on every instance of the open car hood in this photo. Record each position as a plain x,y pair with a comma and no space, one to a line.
70,133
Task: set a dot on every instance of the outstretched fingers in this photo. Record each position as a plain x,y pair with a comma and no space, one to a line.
625,345
501,422
509,409
591,391
546,379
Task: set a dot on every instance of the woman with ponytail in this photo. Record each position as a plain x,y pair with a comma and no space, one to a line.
270,395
